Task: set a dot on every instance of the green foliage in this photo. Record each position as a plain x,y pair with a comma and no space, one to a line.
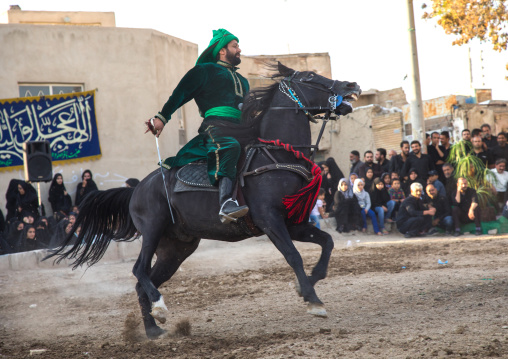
473,170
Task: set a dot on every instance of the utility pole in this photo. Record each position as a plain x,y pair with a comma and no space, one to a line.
415,93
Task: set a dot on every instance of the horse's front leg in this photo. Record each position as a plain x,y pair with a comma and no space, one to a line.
309,233
274,227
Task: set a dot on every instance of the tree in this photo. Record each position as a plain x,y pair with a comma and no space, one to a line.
486,20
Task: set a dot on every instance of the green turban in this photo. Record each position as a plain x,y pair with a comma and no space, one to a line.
221,38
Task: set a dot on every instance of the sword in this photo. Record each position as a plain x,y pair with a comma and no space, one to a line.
152,128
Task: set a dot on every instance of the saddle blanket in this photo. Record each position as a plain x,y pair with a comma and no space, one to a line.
194,177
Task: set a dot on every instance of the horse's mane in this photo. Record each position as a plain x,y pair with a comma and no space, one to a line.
258,100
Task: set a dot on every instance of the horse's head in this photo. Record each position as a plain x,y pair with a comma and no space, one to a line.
332,94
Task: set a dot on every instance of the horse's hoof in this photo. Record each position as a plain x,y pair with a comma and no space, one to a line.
159,314
317,310
156,332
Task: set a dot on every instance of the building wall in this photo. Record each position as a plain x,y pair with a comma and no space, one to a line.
134,72
16,16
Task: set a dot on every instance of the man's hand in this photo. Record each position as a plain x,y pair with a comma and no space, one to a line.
431,211
366,210
471,215
384,208
435,222
155,126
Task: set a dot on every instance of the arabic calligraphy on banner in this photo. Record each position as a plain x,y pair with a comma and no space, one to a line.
67,121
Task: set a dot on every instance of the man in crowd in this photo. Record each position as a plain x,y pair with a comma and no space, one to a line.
488,138
368,158
391,154
466,135
436,153
354,158
381,160
480,152
501,150
419,161
397,162
500,182
443,216
465,207
449,183
413,219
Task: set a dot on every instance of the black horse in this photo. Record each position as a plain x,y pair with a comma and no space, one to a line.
278,112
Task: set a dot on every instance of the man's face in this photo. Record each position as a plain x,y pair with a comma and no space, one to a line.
486,132
405,149
353,158
431,191
379,156
500,167
433,178
435,139
466,136
233,53
501,140
417,192
444,140
391,153
447,171
415,147
477,142
462,185
369,158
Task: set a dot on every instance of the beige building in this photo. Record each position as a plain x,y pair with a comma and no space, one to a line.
132,70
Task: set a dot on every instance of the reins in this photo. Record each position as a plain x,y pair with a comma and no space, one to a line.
333,102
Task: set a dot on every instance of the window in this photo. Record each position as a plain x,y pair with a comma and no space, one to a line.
29,90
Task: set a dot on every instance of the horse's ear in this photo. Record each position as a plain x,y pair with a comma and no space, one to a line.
284,70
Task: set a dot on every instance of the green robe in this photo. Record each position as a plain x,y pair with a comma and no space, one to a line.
218,91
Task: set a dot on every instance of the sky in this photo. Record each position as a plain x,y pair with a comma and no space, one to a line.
367,40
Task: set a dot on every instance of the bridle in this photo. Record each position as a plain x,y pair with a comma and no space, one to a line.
285,86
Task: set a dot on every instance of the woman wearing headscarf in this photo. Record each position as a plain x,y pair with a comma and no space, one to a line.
60,200
28,240
26,200
364,202
85,187
42,232
369,179
15,231
333,175
346,208
11,196
412,178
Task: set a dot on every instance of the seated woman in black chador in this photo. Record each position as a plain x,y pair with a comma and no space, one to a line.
346,208
26,200
60,200
413,178
14,234
28,240
85,187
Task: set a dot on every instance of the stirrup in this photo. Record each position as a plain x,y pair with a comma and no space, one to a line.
229,217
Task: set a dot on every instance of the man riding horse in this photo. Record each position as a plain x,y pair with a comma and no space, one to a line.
219,92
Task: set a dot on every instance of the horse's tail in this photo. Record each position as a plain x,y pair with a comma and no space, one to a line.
103,216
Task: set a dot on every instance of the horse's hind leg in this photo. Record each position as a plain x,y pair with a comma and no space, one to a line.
170,255
309,233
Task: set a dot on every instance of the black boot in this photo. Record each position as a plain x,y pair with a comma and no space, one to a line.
229,210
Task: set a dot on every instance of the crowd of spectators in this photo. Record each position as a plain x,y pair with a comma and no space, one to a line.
25,226
416,191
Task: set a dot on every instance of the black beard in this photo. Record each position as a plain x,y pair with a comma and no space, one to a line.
232,59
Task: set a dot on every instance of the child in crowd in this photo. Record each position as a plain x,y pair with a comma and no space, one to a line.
381,203
364,202
385,177
319,209
396,195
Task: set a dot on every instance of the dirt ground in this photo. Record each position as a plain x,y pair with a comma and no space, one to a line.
384,300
